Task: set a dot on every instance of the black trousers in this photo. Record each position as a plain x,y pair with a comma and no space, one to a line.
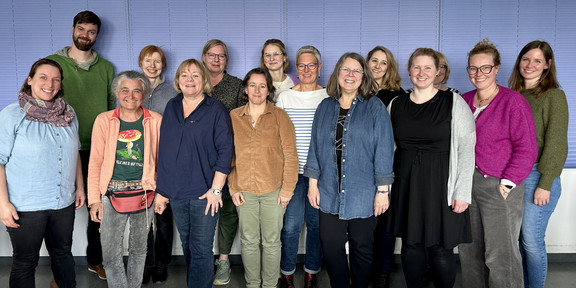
94,248
442,263
359,233
160,247
55,228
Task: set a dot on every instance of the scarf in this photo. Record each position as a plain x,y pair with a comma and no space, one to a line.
56,112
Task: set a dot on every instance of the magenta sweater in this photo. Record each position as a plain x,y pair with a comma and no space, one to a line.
505,136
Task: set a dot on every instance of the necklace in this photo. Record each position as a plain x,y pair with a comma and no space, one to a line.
480,101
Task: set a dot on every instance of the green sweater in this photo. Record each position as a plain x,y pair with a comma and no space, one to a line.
551,119
87,89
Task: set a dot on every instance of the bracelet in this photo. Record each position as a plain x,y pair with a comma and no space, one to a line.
382,191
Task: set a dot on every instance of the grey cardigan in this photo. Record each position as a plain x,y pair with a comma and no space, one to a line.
462,144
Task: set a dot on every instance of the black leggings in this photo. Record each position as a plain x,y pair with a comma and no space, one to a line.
442,263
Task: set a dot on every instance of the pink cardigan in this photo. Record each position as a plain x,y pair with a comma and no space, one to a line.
103,152
505,136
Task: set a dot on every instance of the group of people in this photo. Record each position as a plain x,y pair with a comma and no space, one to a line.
360,161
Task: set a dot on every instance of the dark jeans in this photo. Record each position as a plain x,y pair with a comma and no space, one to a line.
160,247
197,235
55,227
228,223
384,243
442,263
359,233
94,248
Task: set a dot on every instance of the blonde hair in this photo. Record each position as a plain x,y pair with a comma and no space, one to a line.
206,87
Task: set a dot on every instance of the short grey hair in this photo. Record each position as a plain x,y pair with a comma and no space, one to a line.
309,49
131,75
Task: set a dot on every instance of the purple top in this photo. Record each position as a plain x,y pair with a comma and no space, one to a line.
505,136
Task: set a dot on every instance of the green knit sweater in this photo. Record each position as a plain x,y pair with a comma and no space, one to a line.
87,89
551,119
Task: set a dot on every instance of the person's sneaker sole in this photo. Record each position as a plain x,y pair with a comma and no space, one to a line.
96,272
219,282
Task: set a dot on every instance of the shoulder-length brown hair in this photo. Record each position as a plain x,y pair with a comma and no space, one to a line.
391,79
206,87
269,83
26,88
548,78
368,87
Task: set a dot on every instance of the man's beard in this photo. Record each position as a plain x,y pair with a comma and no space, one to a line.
81,46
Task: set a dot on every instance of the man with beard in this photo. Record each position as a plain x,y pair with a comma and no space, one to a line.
87,78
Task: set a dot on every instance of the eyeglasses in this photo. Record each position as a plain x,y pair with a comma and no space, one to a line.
485,69
212,56
311,66
272,55
348,70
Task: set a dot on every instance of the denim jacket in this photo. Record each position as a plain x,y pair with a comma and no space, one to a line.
368,149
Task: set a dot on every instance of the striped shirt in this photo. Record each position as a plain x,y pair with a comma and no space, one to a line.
301,107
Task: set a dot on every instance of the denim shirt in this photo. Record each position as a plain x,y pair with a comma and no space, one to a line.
367,154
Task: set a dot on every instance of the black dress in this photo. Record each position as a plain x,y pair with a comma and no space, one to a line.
419,206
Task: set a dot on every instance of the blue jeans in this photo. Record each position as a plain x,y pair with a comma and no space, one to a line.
298,211
55,228
197,235
532,244
112,238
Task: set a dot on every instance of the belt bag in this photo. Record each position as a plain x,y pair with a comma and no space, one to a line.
131,201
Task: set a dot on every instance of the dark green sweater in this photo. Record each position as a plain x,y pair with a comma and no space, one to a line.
87,90
551,119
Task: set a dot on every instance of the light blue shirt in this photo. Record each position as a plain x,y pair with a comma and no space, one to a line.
40,161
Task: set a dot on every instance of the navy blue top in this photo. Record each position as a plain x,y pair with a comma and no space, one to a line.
191,149
367,154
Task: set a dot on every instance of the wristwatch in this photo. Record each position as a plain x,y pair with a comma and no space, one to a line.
216,191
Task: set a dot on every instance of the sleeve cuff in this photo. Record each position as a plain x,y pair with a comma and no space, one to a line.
546,182
507,182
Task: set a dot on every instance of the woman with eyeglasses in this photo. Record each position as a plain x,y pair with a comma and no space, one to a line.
505,154
433,166
384,68
443,74
228,90
350,170
300,102
535,77
275,60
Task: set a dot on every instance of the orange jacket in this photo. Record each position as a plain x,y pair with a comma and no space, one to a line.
103,152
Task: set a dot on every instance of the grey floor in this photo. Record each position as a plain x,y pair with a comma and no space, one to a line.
560,275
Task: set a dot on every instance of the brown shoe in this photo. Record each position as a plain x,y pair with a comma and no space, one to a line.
286,281
310,280
99,270
53,283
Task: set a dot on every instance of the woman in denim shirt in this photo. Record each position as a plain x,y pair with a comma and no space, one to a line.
350,169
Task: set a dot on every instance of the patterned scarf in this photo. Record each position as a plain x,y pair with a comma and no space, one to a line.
56,112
